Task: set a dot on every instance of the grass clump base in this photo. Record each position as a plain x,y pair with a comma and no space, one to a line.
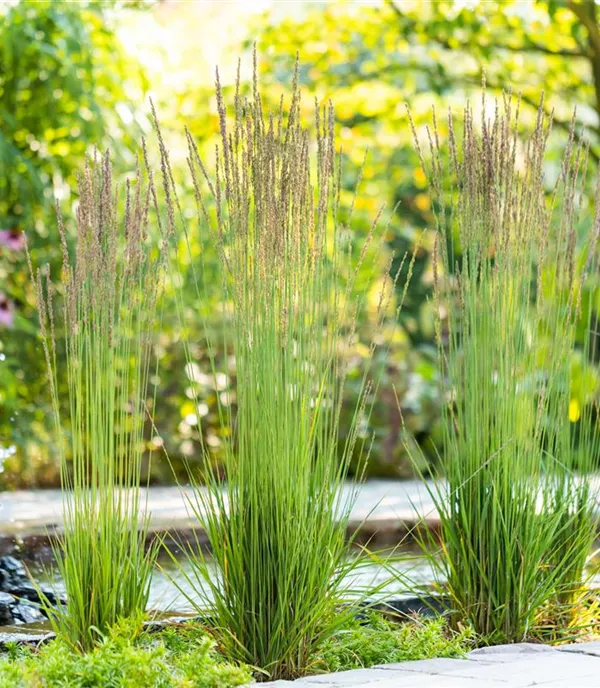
125,658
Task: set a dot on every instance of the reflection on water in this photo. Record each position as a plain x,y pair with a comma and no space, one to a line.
166,595
398,578
170,584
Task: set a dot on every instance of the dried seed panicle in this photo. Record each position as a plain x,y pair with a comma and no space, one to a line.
110,288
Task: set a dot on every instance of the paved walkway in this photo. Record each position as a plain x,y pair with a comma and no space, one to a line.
385,510
504,666
384,513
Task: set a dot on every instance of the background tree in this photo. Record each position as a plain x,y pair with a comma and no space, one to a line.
65,85
546,45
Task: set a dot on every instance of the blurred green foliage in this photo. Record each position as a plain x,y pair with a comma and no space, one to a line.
67,82
375,60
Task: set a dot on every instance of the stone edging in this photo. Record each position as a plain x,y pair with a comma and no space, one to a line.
514,666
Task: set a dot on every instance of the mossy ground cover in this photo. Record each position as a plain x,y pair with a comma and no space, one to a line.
187,657
182,657
380,641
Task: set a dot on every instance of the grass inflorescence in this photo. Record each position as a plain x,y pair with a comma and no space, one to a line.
109,300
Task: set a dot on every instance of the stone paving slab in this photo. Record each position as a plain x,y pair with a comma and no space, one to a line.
592,649
504,666
385,511
438,665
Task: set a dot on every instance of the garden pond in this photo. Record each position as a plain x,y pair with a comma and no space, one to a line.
170,585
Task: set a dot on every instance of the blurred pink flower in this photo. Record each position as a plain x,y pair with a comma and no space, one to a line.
7,312
13,239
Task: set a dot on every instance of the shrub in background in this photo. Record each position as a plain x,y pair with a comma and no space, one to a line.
108,312
515,520
278,538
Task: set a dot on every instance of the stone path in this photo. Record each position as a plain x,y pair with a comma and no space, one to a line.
385,511
504,666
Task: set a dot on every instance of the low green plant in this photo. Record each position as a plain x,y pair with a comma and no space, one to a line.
376,640
109,299
516,524
125,658
277,517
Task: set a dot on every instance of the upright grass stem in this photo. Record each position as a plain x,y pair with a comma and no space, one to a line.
570,293
110,292
277,521
516,519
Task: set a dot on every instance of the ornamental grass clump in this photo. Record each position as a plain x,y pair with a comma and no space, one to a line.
570,297
109,300
510,280
277,518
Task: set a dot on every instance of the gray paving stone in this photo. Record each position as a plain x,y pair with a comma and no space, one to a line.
501,658
384,679
511,666
592,648
509,653
356,677
411,679
438,665
591,681
379,501
384,503
533,670
512,649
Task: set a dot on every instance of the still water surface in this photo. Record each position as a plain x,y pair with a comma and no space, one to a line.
170,584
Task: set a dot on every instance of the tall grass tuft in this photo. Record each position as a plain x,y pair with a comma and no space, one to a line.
110,291
277,519
570,292
516,521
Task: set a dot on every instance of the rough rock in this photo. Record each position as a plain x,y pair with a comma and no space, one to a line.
19,598
7,602
11,636
26,613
